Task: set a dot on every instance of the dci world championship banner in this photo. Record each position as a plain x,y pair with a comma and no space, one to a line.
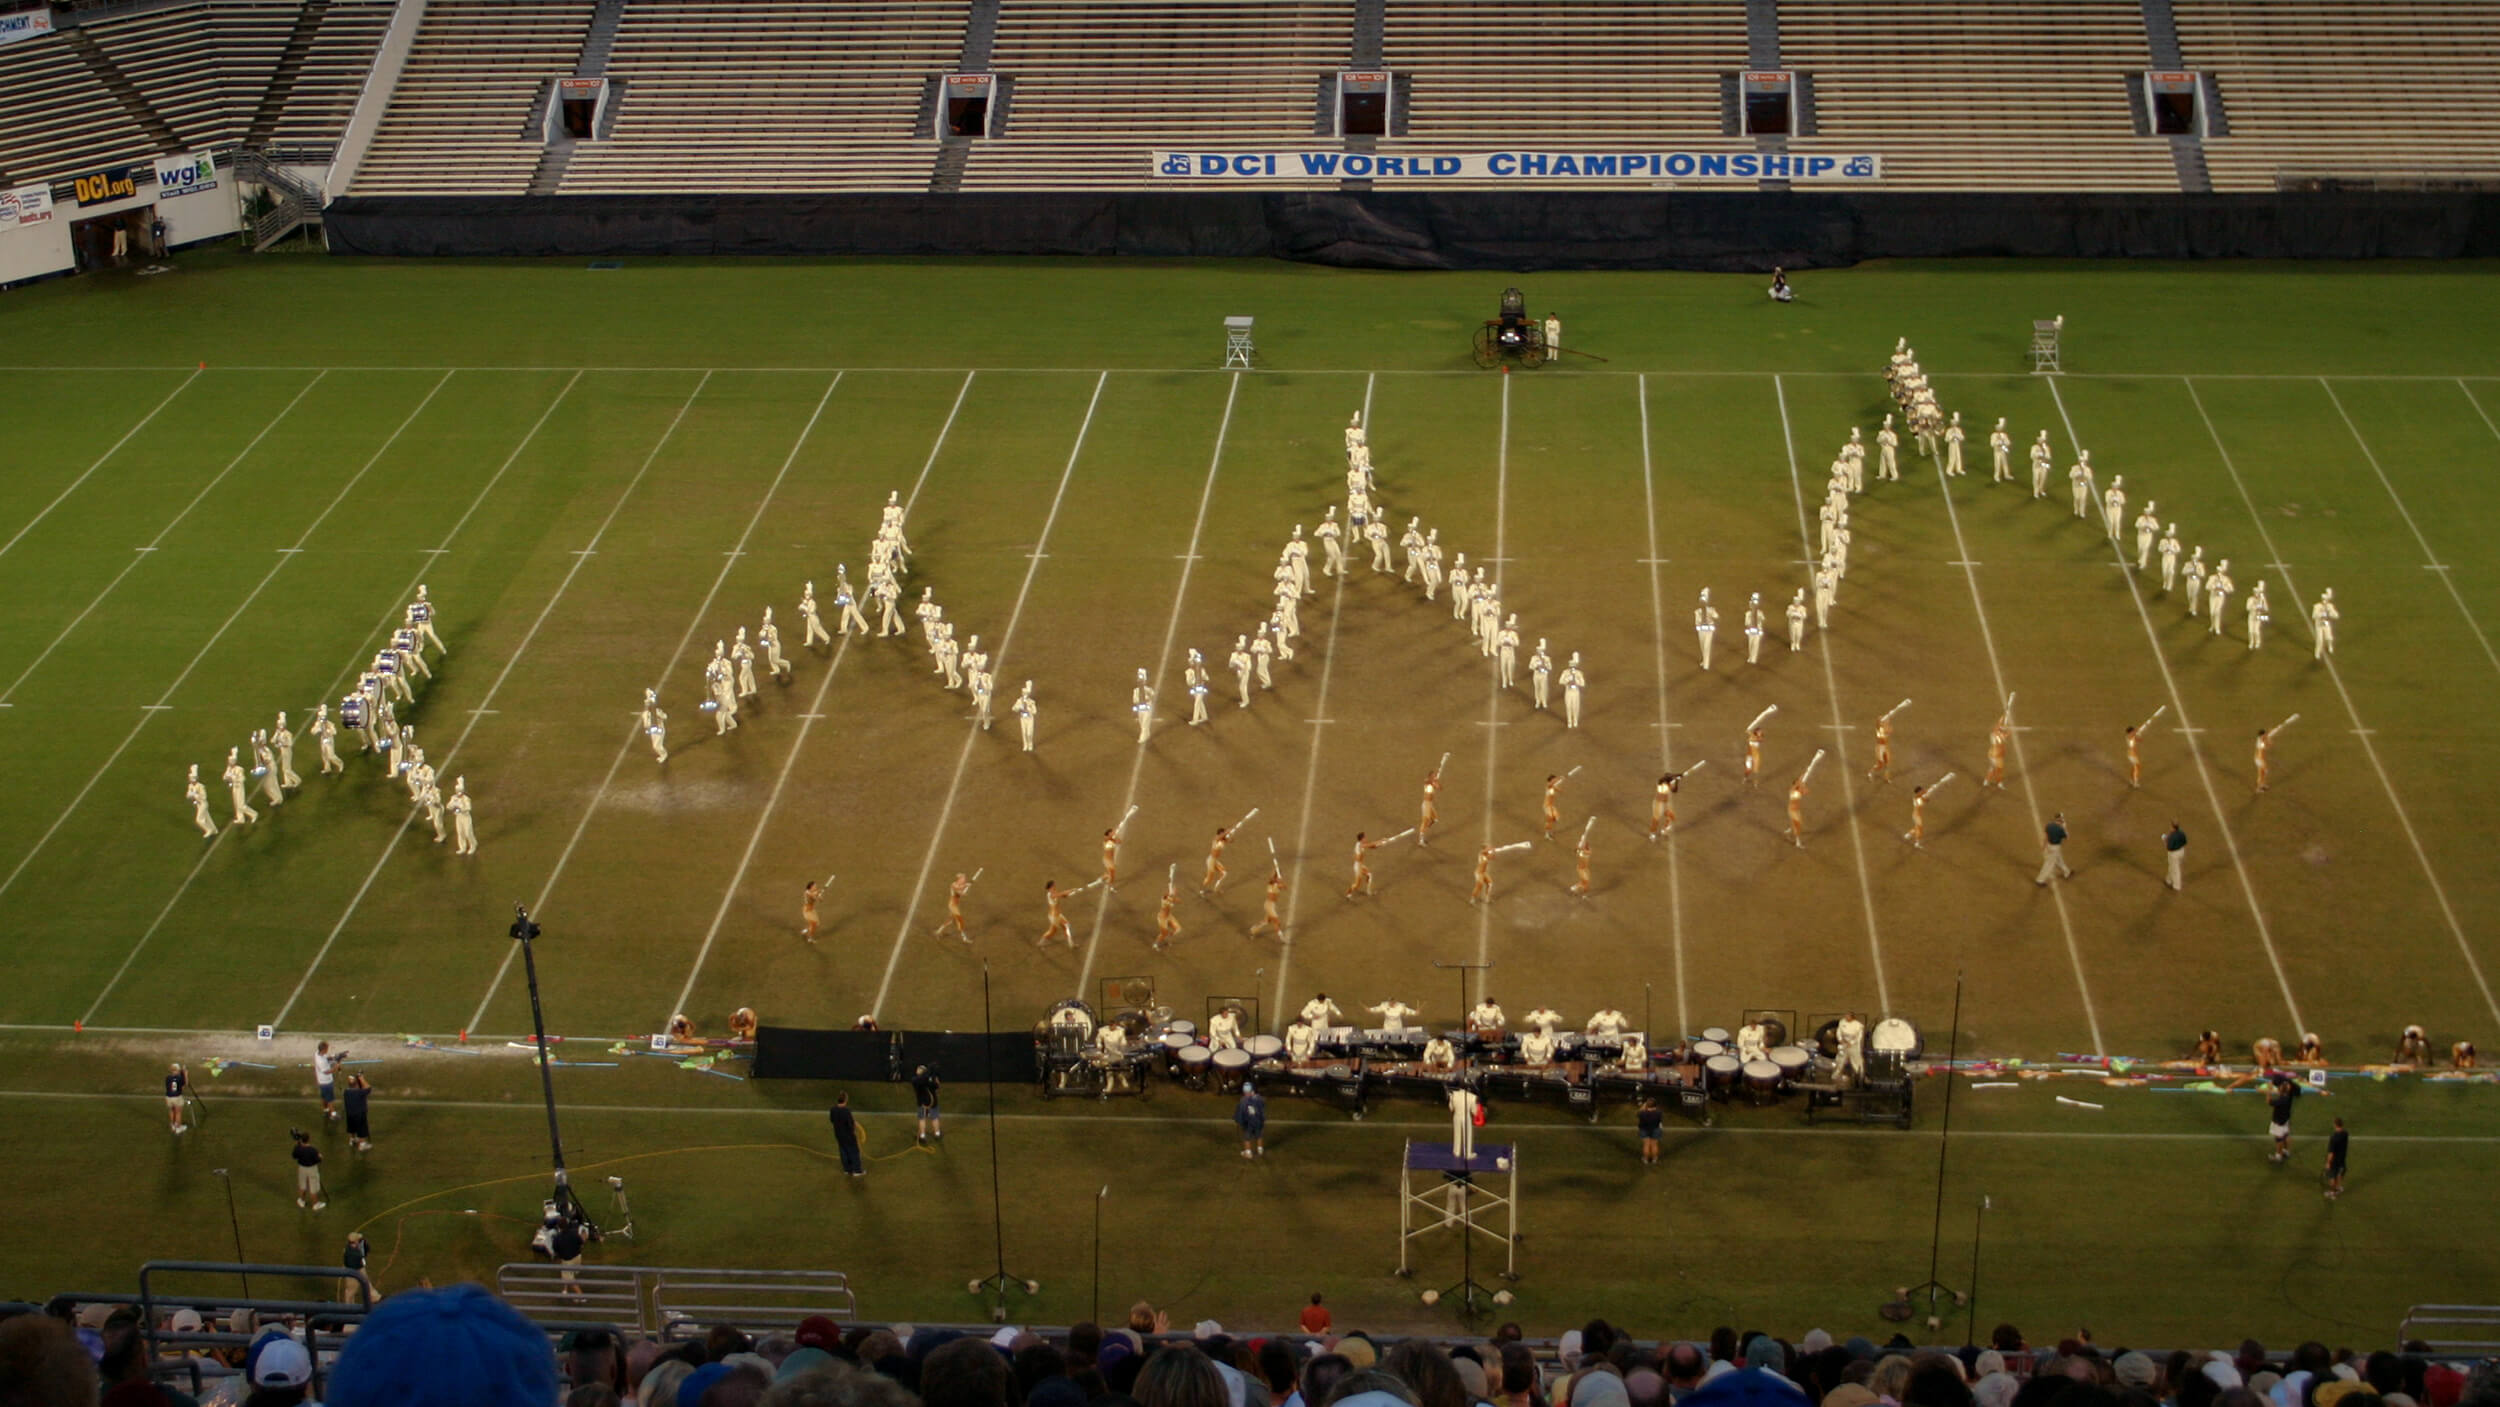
26,205
26,24
187,174
1515,167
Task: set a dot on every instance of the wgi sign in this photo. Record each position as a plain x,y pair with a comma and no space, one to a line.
189,174
1512,167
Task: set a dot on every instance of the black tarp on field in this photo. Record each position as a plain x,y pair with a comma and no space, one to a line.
1441,229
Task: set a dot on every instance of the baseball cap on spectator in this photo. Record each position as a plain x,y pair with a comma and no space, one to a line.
186,1320
817,1331
1567,1348
1005,1338
1815,1341
281,1363
92,1316
432,1348
1206,1329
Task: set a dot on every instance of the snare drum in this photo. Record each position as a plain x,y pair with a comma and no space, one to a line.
1232,1066
1793,1063
1189,1065
1762,1082
1715,1033
1265,1048
1720,1074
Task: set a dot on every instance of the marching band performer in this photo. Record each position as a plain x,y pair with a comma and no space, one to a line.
655,724
236,783
463,818
326,734
1212,882
420,618
1057,927
1026,711
197,795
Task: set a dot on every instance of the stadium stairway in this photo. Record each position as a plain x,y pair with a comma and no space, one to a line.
558,158
1371,34
1762,33
263,125
118,83
2161,42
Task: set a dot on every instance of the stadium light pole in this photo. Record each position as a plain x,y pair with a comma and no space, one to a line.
524,930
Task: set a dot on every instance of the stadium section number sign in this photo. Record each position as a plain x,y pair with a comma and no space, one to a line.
1513,167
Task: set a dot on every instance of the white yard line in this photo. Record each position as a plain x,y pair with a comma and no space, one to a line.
1310,770
1493,701
1666,732
127,435
972,733
807,722
1840,733
1163,657
2429,557
185,887
2196,754
2362,730
2022,762
634,733
165,700
484,708
155,542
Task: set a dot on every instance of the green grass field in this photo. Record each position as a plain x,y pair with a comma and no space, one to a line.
222,484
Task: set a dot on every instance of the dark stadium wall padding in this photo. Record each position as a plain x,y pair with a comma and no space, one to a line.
1711,230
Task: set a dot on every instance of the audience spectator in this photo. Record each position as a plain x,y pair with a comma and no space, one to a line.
1320,1376
43,1364
1421,1365
1179,1376
1366,1387
1315,1316
459,1347
965,1373
1145,1321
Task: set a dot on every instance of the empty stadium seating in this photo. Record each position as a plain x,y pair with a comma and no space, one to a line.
2348,88
2008,95
770,95
56,119
314,104
458,120
1100,83
1570,74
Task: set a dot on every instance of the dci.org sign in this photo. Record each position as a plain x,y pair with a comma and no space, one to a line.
188,174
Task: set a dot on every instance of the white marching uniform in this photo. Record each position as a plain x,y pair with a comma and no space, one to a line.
1953,437
847,613
1376,533
2170,559
1260,653
1506,648
1826,592
744,655
2322,618
768,635
2041,457
982,682
2147,528
2114,507
236,781
1573,682
421,619
282,742
2257,615
1196,679
1241,664
1393,1015
197,795
1541,674
1705,625
2079,480
326,734
2218,588
1850,1035
267,766
1755,620
811,628
1142,703
1797,621
2001,454
1331,544
1026,711
1887,452
463,820
2196,581
655,724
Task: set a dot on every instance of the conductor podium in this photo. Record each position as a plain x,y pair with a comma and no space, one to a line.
1443,1189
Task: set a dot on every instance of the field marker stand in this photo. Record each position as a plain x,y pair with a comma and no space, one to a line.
1438,1190
1237,348
2045,335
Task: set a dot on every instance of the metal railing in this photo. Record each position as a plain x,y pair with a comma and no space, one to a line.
666,1300
2446,1328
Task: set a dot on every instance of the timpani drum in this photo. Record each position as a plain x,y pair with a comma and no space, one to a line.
1762,1082
1719,1074
1232,1066
1705,1048
1189,1065
1793,1062
1265,1048
1715,1033
1183,1027
1171,1045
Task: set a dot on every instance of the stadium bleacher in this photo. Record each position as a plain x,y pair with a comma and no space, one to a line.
2005,95
458,122
1100,83
310,108
2369,89
770,95
57,119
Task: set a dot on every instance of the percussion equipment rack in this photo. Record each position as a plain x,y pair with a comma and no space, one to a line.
1438,1190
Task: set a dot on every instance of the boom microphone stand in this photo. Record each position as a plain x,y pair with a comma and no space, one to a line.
997,1281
